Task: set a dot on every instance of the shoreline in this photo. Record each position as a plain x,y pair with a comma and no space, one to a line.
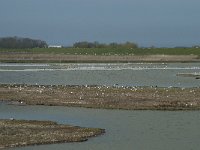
18,133
102,97
64,58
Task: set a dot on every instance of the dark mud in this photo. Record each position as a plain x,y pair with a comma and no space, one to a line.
130,98
62,58
16,133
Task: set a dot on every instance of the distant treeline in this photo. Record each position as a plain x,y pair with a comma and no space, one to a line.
21,43
86,44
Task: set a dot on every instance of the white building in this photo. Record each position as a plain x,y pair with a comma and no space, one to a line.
54,46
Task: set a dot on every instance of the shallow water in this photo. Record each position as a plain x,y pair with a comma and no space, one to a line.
122,74
136,130
144,130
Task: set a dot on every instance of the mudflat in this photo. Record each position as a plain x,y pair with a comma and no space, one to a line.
130,98
16,133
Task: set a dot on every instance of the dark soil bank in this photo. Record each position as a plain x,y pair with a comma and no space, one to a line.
15,133
133,98
59,58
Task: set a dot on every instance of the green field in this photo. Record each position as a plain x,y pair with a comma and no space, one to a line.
108,51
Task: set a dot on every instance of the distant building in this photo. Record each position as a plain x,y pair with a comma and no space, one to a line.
54,46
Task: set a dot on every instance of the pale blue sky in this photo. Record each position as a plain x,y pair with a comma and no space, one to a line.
146,22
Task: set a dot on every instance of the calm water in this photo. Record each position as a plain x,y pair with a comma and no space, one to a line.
136,130
133,74
143,130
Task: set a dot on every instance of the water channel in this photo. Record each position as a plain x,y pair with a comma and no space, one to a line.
143,130
133,74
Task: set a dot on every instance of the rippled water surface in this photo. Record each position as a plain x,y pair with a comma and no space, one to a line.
132,74
143,130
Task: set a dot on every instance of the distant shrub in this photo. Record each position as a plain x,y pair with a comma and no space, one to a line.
85,44
21,43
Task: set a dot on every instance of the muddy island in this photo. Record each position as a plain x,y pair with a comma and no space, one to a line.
130,98
16,133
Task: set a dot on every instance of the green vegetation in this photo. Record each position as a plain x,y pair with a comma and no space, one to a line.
108,51
27,45
21,43
96,44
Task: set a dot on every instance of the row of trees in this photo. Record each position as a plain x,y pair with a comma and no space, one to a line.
86,44
21,43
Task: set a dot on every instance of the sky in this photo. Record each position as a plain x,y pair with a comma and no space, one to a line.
160,23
